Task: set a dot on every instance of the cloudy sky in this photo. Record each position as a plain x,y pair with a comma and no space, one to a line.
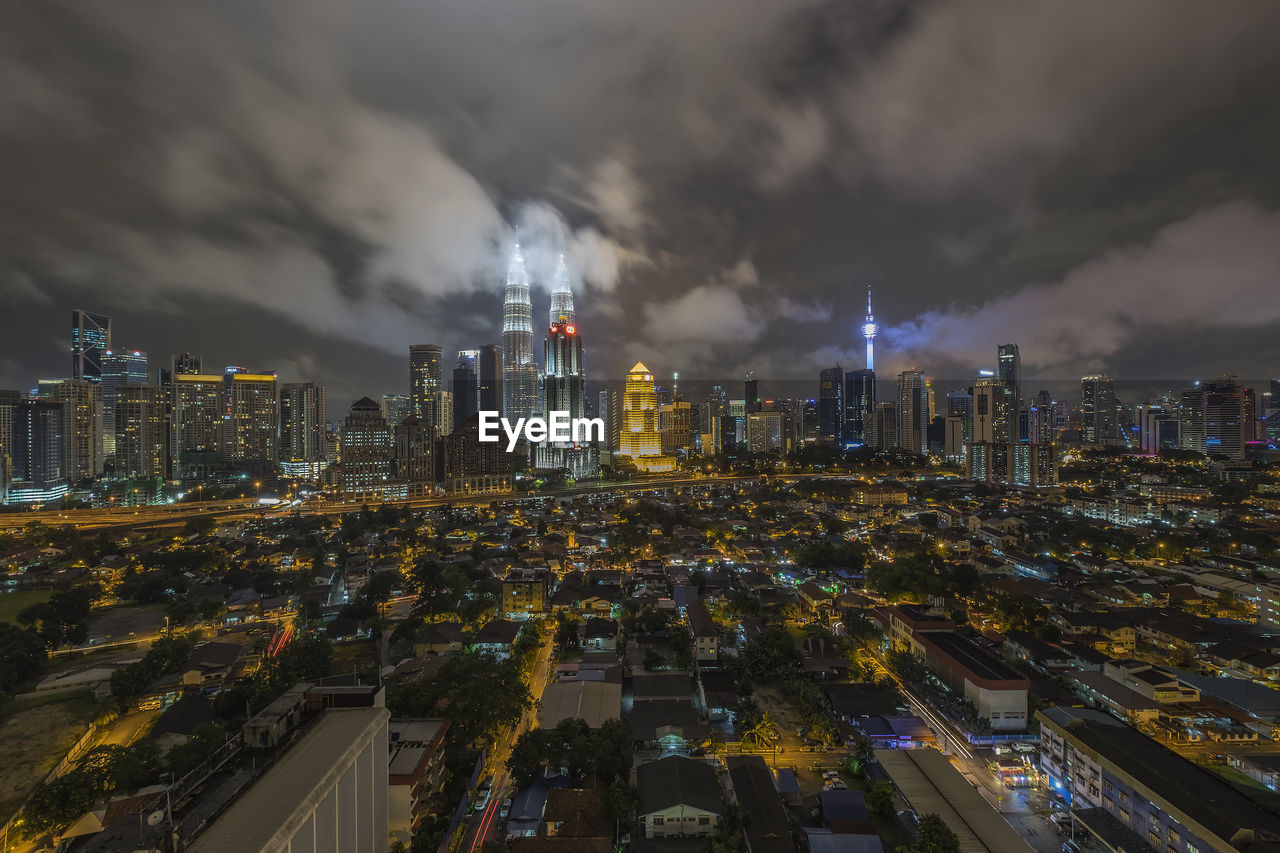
312,185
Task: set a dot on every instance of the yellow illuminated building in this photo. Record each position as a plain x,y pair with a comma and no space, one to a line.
640,440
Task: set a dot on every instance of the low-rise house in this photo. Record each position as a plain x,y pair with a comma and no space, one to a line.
706,637
439,638
679,798
598,634
496,638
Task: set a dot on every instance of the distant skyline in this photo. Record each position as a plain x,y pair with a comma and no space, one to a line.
311,187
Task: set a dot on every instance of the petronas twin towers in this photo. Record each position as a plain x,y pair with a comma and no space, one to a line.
520,397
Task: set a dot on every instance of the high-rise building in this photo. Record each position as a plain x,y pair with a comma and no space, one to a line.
142,432
831,406
197,413
884,426
869,330
1224,417
90,339
9,402
519,371
640,440
1098,405
609,407
82,425
859,401
475,467
118,367
1033,465
366,452
675,422
251,430
304,419
424,382
751,389
1158,428
1191,419
953,443
395,407
564,383
960,405
465,388
1040,419
444,407
38,454
414,459
986,392
1009,400
913,412
766,431
490,389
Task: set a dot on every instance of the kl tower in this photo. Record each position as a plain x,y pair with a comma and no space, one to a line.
869,329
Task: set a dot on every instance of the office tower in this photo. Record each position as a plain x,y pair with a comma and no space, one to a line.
414,461
82,425
185,364
490,394
1191,419
831,408
395,407
1271,412
38,454
562,297
304,419
1008,401
1249,414
869,330
1040,419
141,440
197,411
519,371
1158,429
640,440
859,401
766,431
751,389
465,389
90,339
444,407
9,402
251,429
424,382
913,412
986,392
954,442
609,407
718,401
366,464
564,384
884,426
675,423
475,467
960,406
1098,406
1224,417
118,367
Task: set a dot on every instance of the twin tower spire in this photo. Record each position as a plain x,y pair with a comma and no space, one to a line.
519,370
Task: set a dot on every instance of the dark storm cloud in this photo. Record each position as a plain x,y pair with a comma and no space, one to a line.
726,179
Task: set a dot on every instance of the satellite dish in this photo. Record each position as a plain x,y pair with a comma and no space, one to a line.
155,818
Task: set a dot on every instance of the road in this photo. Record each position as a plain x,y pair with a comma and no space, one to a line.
488,823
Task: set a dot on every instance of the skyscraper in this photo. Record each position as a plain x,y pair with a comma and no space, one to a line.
1224,417
141,441
751,389
869,330
465,388
1009,400
562,297
366,465
489,378
883,432
198,404
564,382
303,421
859,401
251,430
1041,419
82,424
831,406
986,394
90,338
424,381
640,440
913,412
414,458
118,368
960,405
395,407
39,454
519,371
1098,406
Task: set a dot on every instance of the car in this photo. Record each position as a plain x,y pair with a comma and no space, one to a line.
1020,746
1001,749
506,808
1070,847
482,799
831,774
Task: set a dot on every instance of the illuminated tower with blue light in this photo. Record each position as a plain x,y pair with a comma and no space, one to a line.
869,329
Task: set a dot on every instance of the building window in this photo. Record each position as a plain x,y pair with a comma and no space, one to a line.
704,821
657,821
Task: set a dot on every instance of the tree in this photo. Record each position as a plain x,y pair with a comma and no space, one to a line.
22,656
772,654
880,799
933,836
